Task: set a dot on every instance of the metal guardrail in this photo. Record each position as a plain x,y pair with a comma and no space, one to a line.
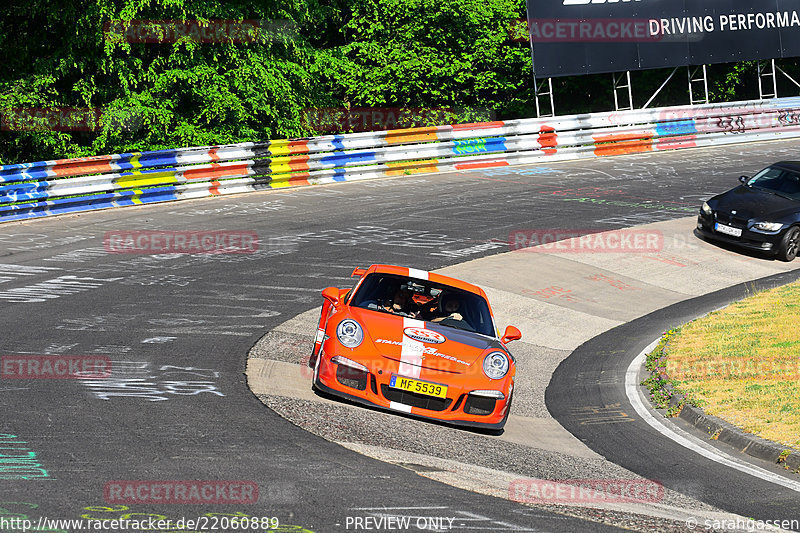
46,188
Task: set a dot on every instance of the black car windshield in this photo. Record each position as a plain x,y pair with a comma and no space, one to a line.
778,180
424,300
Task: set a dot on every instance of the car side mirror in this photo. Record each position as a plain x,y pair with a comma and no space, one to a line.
744,179
332,295
511,334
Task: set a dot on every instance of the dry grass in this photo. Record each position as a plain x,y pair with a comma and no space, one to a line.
742,363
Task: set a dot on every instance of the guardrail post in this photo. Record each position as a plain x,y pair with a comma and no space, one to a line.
698,75
766,69
539,90
619,85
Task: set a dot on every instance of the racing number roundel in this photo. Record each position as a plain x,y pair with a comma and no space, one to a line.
424,335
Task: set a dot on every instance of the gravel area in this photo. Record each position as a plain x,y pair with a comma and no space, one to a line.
345,424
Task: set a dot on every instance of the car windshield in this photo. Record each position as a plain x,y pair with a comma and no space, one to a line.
424,300
778,180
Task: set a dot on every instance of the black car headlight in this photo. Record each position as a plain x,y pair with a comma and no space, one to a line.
496,365
349,333
706,209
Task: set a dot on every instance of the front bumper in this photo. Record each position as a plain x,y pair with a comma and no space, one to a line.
750,240
459,408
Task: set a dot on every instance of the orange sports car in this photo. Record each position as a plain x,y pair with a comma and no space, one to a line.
415,342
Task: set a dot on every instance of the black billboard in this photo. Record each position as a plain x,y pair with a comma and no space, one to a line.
572,37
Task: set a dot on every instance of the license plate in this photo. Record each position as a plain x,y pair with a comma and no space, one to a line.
420,387
727,230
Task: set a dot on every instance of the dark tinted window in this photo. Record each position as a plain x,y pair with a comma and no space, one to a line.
424,300
777,180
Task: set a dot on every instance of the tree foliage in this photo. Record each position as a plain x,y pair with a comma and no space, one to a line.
180,92
455,54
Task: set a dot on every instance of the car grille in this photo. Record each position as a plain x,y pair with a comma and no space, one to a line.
350,377
415,400
476,405
458,402
731,220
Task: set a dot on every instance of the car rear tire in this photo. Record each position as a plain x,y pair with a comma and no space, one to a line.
790,244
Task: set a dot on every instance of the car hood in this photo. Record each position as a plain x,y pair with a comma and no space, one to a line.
443,348
750,202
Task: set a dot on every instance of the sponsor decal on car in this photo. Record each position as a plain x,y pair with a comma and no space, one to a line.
424,335
427,350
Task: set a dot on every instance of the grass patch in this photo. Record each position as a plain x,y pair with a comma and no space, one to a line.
742,363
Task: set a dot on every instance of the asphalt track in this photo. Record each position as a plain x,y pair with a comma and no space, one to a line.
637,446
180,327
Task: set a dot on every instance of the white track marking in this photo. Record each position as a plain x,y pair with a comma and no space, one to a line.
687,440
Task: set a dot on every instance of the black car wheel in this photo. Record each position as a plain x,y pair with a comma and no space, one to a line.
790,244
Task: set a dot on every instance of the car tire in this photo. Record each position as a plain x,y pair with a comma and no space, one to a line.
790,244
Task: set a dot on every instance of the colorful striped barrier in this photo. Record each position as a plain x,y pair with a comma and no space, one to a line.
45,188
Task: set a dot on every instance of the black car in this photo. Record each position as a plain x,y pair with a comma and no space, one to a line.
762,214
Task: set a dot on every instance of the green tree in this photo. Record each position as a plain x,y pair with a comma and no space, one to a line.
430,53
153,95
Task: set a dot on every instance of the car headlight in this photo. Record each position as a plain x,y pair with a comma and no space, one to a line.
706,209
495,365
349,333
768,226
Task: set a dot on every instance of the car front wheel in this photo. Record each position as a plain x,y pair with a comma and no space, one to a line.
790,244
